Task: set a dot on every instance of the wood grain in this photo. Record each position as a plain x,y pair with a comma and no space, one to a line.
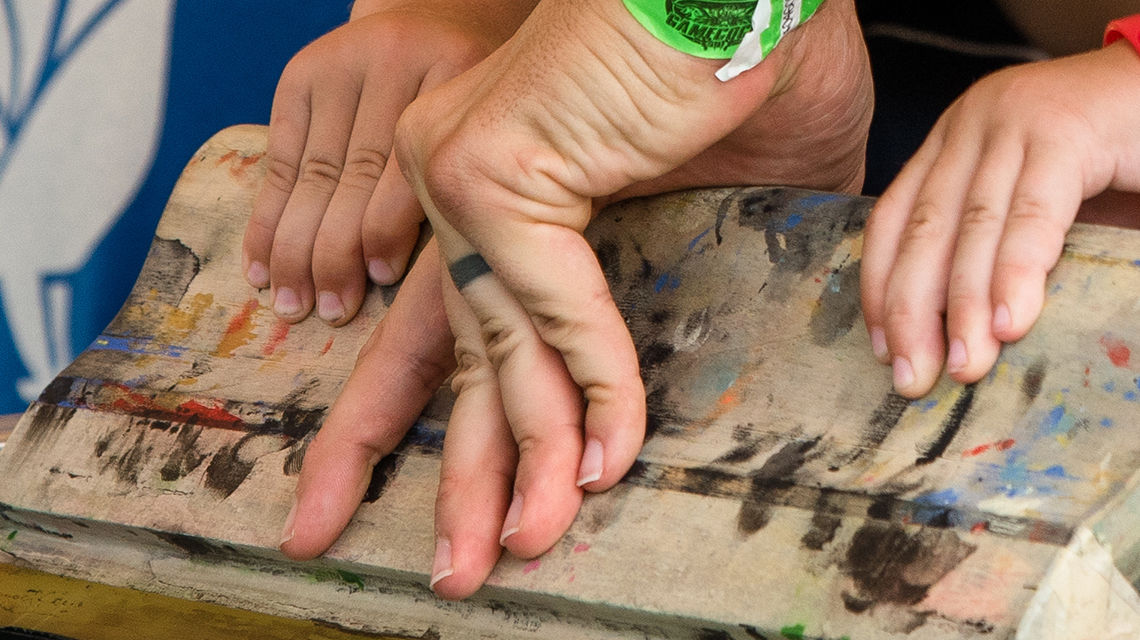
784,489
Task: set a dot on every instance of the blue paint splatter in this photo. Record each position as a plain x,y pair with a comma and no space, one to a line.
1130,396
698,238
1106,422
1055,471
1110,386
666,281
817,199
1136,263
145,346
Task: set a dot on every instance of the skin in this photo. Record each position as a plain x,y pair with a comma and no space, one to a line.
334,211
976,220
549,396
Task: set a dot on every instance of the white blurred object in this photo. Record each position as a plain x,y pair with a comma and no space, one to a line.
82,90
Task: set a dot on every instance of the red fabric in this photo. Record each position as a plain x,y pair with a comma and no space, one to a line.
1127,28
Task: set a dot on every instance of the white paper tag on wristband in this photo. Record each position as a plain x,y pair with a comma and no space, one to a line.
771,21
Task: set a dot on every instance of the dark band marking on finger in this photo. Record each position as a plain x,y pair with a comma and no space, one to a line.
468,268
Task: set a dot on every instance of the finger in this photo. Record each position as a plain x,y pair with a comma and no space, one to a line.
881,239
972,348
338,260
478,468
405,360
334,101
553,273
1044,203
288,128
917,288
390,227
543,407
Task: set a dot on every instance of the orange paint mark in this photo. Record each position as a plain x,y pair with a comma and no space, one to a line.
979,527
239,331
239,163
328,345
227,157
1005,445
1116,350
280,332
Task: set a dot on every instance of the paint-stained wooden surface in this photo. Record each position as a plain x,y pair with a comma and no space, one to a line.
784,491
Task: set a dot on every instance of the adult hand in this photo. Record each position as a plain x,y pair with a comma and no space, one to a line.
977,219
334,211
510,160
810,131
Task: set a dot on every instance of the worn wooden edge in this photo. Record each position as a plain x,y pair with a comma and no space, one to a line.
8,425
47,603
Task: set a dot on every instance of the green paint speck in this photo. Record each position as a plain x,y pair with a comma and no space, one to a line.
351,578
12,535
794,632
339,575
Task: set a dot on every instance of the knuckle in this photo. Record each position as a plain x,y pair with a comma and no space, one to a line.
363,168
320,172
471,368
982,216
927,225
501,339
280,174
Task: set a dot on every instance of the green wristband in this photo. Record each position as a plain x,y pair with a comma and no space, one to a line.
716,28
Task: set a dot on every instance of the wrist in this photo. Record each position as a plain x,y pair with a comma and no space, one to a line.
1127,28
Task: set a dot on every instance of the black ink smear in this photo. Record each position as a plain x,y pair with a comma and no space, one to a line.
950,427
883,420
771,479
382,473
230,466
825,522
888,564
661,415
1034,378
609,258
713,634
295,459
166,275
184,457
838,306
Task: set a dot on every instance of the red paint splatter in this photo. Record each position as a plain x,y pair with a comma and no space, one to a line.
979,527
581,547
1116,350
237,169
328,345
280,332
1001,445
532,566
202,414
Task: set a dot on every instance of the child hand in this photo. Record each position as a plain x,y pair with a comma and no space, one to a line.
334,211
977,218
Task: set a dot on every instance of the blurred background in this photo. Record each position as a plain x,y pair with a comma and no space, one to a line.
103,102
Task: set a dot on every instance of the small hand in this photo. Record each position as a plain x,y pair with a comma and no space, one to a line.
334,210
975,221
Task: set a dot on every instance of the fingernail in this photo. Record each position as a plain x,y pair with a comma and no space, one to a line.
287,532
903,373
380,273
286,302
257,275
1002,320
591,467
879,344
514,519
441,567
956,360
329,307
